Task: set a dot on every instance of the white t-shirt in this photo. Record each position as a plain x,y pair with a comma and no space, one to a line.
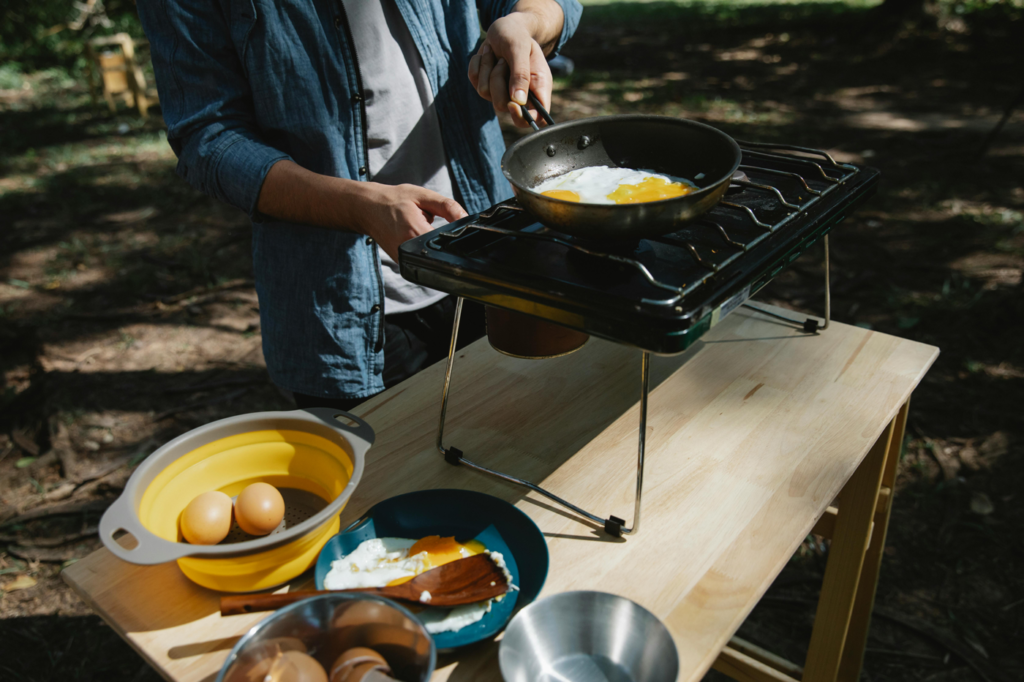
403,132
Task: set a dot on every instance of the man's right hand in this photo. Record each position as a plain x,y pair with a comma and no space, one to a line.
390,214
511,62
393,214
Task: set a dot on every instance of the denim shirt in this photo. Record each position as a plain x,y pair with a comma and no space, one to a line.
246,83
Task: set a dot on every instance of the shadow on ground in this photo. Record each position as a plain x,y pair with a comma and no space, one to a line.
69,649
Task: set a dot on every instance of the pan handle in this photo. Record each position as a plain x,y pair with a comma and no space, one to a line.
540,108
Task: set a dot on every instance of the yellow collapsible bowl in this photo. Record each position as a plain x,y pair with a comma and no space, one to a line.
314,457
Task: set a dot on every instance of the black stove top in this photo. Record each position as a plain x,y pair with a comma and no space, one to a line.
658,294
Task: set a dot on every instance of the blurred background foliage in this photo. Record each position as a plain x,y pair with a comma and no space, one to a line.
38,35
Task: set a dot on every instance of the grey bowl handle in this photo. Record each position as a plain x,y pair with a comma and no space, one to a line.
150,549
361,430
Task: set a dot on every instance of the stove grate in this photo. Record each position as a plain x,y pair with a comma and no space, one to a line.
834,177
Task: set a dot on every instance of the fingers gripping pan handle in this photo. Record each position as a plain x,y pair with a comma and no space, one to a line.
151,549
540,109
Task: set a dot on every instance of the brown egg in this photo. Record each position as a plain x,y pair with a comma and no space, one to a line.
295,666
259,509
353,665
256,662
207,518
361,673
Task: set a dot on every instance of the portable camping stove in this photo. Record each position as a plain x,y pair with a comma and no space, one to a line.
658,294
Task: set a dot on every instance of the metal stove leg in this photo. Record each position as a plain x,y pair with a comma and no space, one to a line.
448,383
810,325
612,525
828,293
645,373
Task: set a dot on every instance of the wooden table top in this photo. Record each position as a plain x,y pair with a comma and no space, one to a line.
750,435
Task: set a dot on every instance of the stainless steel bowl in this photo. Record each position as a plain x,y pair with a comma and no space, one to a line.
325,627
587,637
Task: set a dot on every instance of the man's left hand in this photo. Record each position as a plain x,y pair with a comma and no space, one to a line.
510,63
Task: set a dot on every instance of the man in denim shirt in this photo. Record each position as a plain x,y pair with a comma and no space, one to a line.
267,109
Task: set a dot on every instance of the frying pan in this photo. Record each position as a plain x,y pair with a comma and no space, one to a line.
701,154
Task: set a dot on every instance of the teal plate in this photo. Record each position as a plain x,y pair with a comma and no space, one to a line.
466,515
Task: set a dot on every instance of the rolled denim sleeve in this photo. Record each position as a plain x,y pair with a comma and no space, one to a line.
572,10
206,99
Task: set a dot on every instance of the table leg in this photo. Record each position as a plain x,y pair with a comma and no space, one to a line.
857,530
746,662
847,593
136,81
860,621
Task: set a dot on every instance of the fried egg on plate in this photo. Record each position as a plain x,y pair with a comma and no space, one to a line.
392,561
608,185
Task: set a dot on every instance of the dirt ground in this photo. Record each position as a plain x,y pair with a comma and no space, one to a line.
128,315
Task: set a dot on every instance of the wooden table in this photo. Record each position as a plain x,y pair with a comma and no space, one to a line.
752,435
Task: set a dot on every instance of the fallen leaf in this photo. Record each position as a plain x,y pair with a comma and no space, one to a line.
971,461
24,462
61,492
981,505
943,455
126,217
996,445
22,582
26,443
976,645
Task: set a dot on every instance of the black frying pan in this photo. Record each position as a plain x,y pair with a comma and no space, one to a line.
705,156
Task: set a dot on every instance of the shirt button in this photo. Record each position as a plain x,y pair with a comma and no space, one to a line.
375,309
337,21
358,97
369,240
362,170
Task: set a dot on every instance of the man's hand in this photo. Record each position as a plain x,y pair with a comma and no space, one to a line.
511,60
390,214
393,214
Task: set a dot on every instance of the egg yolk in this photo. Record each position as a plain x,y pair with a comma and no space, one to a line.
441,551
563,194
650,189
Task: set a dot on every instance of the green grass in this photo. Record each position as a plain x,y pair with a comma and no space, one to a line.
11,77
696,16
700,17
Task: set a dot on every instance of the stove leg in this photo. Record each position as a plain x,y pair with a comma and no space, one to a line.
447,385
828,293
810,325
612,525
612,522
